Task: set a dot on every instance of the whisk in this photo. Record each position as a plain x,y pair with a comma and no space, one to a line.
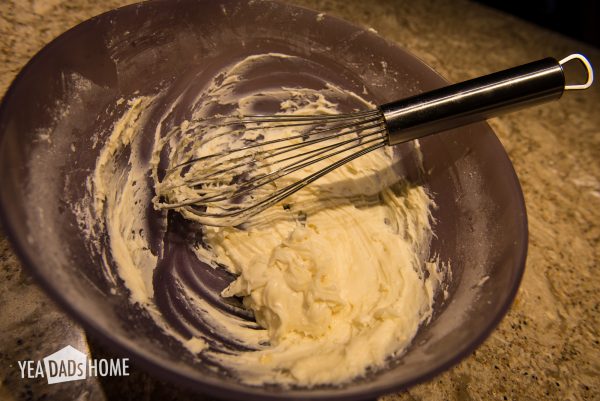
262,159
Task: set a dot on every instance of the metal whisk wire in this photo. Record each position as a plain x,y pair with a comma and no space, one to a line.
227,193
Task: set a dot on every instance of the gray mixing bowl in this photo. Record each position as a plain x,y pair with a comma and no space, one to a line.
63,98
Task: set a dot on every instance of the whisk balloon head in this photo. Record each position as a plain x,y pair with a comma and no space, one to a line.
222,171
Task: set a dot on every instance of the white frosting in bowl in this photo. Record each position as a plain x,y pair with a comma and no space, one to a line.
338,280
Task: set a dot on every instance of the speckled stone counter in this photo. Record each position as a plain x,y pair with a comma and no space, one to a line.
547,347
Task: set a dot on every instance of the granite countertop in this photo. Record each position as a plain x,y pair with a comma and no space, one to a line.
547,347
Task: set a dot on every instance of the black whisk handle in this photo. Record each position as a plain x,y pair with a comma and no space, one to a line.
478,99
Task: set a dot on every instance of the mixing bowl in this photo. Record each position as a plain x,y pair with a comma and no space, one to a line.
62,105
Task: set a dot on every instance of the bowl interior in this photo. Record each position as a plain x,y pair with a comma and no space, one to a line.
66,98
